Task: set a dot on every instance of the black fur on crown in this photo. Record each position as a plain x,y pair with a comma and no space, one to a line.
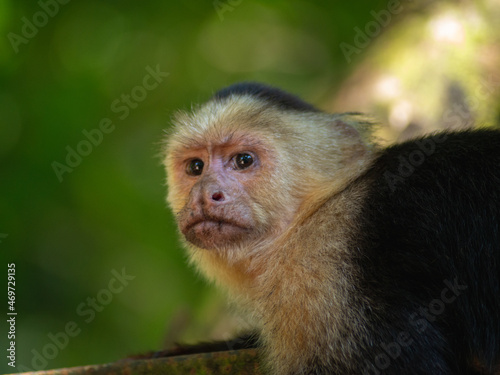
272,95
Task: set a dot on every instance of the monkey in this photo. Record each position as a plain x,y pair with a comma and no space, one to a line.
349,257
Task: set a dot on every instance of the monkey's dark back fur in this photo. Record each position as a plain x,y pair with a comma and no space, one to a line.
428,249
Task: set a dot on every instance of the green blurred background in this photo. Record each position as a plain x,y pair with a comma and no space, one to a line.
71,222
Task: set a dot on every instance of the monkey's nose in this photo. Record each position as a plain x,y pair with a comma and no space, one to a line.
218,196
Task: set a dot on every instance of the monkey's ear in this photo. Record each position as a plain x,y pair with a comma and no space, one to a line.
354,133
356,126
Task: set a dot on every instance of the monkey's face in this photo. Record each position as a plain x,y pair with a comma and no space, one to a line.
213,189
240,171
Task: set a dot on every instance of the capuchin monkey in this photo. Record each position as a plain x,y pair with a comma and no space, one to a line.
350,258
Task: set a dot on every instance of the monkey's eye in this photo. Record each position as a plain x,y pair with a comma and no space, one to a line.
195,167
243,161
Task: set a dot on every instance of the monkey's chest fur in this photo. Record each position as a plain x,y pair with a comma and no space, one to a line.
398,273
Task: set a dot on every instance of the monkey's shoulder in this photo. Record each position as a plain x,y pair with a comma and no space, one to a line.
428,197
430,205
428,162
422,183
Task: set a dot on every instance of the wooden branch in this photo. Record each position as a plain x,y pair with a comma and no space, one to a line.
237,362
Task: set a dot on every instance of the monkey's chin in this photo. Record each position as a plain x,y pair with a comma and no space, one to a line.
215,235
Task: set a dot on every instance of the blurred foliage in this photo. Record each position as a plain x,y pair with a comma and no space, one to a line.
68,66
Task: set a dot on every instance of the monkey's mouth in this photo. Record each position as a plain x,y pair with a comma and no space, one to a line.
211,224
210,232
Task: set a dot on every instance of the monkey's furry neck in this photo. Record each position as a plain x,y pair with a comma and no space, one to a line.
283,285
